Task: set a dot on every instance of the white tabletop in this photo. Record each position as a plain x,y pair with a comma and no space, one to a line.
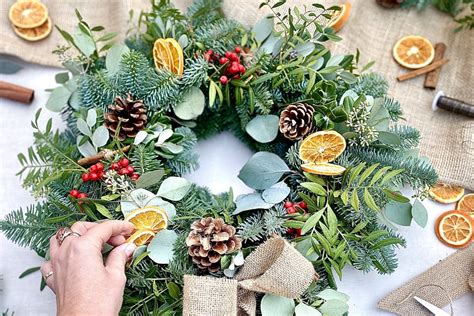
222,156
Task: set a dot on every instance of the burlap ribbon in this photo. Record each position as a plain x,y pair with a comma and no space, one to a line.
275,267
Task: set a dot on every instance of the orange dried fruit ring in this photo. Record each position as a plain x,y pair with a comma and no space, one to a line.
324,168
466,204
323,146
454,229
141,237
339,18
152,218
445,193
167,53
413,52
36,33
28,14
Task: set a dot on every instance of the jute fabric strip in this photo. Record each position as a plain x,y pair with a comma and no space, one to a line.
453,274
275,267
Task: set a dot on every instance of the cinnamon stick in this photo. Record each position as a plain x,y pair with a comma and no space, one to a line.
86,161
431,79
16,93
422,71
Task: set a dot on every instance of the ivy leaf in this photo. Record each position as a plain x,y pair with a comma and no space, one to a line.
399,213
100,136
114,57
263,28
263,170
419,213
263,128
58,99
174,188
305,310
272,303
251,201
192,105
161,247
276,193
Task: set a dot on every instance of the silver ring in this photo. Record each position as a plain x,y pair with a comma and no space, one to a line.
47,275
65,232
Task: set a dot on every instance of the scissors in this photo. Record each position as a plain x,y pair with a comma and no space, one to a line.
434,309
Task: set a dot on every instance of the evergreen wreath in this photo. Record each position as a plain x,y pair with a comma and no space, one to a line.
133,115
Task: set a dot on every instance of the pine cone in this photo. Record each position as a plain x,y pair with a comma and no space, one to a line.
131,113
296,121
209,239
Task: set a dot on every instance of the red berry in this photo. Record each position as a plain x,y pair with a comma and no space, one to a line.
303,205
288,204
115,166
234,57
99,166
93,176
241,68
93,168
81,195
74,193
123,171
210,52
124,162
233,69
85,177
291,210
234,63
207,57
238,49
223,60
298,232
237,77
224,80
130,170
228,54
135,176
290,231
101,174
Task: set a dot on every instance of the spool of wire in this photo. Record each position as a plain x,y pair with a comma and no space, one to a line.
441,101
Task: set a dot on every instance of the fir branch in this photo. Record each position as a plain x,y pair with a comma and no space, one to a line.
372,84
393,108
204,12
144,158
195,73
220,35
409,136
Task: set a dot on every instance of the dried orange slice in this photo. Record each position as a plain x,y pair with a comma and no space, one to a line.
339,18
466,204
454,228
325,169
168,53
323,146
152,218
445,193
177,58
413,52
28,14
141,237
36,33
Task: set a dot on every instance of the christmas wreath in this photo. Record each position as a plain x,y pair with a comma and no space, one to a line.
331,158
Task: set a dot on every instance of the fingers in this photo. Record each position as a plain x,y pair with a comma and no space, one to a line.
53,246
119,256
103,232
46,269
83,227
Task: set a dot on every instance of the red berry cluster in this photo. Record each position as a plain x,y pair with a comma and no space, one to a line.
123,167
96,172
231,66
78,195
292,208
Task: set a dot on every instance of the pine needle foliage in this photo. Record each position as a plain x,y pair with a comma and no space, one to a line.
372,84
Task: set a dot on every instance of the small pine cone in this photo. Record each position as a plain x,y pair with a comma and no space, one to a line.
209,239
296,121
130,113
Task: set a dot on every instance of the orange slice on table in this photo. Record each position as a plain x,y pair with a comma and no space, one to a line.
454,228
339,18
151,218
28,14
413,52
445,193
466,204
325,169
323,146
36,33
141,237
177,58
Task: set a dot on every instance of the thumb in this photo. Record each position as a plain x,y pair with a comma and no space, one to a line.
119,256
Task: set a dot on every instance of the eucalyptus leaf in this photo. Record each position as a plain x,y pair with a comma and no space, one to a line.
58,99
61,77
138,251
263,28
173,148
161,247
334,308
100,137
192,105
272,305
419,213
140,137
86,149
251,201
85,43
114,57
399,213
75,100
389,138
305,247
149,179
83,127
91,117
276,193
272,44
334,60
304,49
330,294
183,41
263,170
174,188
305,310
263,128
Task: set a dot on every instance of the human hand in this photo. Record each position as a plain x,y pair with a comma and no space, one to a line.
83,283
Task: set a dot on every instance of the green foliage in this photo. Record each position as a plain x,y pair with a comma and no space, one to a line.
187,160
220,35
261,225
372,84
204,12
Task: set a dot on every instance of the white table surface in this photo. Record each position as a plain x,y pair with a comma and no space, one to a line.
222,158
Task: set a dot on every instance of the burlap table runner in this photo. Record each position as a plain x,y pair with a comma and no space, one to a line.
447,139
452,276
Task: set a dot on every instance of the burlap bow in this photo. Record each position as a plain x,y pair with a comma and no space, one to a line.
275,267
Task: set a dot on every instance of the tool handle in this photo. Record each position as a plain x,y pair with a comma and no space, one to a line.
456,106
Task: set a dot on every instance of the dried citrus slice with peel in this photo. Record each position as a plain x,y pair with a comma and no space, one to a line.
325,169
339,18
454,228
152,218
141,237
413,52
445,193
323,146
466,204
177,58
36,33
28,14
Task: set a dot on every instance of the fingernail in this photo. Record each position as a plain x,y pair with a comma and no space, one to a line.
130,249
